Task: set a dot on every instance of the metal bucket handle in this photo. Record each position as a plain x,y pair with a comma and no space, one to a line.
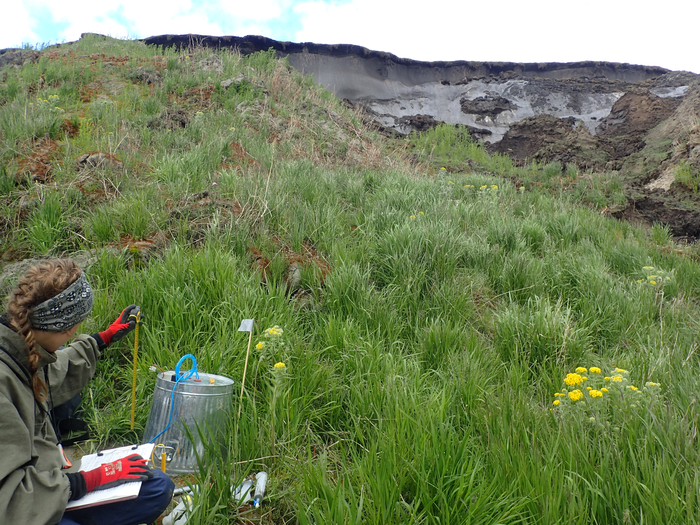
191,372
178,378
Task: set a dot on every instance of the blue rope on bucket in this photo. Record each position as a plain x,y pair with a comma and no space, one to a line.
178,378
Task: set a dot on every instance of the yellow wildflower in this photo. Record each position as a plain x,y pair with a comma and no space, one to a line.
651,383
588,388
621,371
260,345
421,213
594,370
633,388
653,283
648,268
280,365
413,217
596,393
274,331
494,186
575,395
573,379
581,370
617,378
556,402
604,390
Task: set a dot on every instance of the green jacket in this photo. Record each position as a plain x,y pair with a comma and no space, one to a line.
33,488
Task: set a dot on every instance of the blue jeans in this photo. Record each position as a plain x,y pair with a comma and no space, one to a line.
153,499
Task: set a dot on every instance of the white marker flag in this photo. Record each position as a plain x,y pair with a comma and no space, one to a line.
246,325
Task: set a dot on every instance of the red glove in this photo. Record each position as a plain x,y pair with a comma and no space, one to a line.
125,470
124,324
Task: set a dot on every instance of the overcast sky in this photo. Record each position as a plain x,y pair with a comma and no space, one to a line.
652,33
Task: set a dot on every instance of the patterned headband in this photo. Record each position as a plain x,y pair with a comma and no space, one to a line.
65,310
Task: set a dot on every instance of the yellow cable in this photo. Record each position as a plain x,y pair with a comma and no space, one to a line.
153,461
136,352
163,456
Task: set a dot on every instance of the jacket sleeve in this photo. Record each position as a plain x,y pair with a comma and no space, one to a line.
74,367
27,494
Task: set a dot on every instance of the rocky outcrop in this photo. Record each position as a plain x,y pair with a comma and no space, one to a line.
17,57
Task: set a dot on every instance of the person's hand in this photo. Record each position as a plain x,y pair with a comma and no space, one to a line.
125,470
124,324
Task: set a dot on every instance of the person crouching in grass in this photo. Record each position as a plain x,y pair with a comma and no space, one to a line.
37,372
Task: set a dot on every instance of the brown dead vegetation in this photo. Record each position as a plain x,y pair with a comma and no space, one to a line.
38,164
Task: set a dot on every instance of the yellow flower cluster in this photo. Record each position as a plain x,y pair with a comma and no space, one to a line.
574,379
575,395
274,331
280,365
656,276
601,389
272,338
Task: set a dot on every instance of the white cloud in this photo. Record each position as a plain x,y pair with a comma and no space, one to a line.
248,11
510,30
19,31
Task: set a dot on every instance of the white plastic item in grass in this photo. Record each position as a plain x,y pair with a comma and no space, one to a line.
179,514
260,481
242,493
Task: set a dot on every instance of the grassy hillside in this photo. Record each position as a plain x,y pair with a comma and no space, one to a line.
475,344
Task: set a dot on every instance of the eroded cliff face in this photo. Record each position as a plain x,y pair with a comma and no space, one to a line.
488,97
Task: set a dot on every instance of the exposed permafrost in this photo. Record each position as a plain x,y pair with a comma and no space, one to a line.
524,98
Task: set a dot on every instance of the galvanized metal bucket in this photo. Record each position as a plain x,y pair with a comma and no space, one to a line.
203,405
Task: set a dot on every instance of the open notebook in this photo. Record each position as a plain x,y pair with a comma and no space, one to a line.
118,493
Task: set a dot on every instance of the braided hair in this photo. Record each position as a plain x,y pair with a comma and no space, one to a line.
41,282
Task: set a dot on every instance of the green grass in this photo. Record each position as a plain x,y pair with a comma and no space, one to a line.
434,315
688,175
